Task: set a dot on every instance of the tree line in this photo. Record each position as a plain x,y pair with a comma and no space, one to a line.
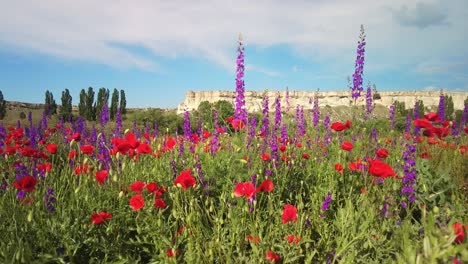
88,108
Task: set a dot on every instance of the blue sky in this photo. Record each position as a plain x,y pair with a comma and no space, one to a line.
158,50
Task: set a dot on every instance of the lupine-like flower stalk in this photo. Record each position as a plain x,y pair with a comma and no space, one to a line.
316,110
326,202
416,116
359,67
409,179
49,200
118,123
277,115
408,123
266,118
442,107
187,127
463,118
369,105
104,115
44,120
240,112
391,116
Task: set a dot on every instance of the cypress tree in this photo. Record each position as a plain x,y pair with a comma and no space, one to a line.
123,103
114,103
66,109
90,106
2,106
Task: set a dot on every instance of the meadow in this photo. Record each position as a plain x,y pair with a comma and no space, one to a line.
299,188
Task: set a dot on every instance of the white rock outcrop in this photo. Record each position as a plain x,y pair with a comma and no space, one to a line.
253,100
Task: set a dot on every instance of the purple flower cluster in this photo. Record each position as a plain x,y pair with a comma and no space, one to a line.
278,115
104,115
359,66
416,116
187,127
266,118
391,116
316,110
326,202
369,106
49,200
442,107
409,179
118,123
463,118
240,112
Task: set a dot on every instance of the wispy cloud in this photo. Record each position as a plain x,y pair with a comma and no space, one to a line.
320,30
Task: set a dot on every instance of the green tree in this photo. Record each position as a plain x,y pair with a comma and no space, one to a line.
102,98
114,103
50,106
421,109
2,106
123,103
82,104
90,106
224,109
448,107
205,113
66,109
400,109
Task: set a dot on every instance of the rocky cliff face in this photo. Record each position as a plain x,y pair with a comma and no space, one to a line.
303,98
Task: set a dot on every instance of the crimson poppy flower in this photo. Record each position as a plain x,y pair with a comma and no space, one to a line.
206,134
87,149
338,126
101,176
170,142
52,148
137,202
72,154
266,157
98,218
458,229
339,168
237,124
172,253
466,130
46,167
244,188
266,186
289,213
293,239
382,153
185,180
160,203
26,184
347,146
272,256
253,239
137,186
282,148
434,117
305,156
380,169
422,123
432,141
144,148
76,136
151,187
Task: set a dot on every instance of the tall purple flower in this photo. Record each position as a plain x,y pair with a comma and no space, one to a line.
409,179
240,112
326,202
104,115
416,116
266,117
359,67
118,123
442,107
187,127
391,116
316,110
278,115
49,200
369,106
463,118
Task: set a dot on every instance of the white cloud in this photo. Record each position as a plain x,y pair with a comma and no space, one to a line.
319,30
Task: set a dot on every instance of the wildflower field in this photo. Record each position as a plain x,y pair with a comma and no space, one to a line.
286,189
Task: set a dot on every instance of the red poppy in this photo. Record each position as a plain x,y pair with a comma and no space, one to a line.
172,253
81,169
382,153
72,154
458,229
434,117
160,203
305,156
266,157
101,176
253,239
170,142
144,148
339,168
52,148
137,202
380,169
46,167
432,141
26,184
76,136
98,218
266,186
87,149
272,257
289,213
244,188
423,123
293,239
237,124
137,186
466,130
185,180
206,134
282,148
347,146
338,126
